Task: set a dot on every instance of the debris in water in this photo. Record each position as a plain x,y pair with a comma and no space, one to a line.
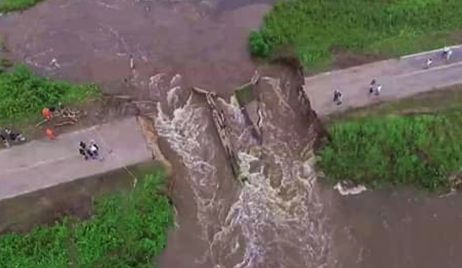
344,188
132,63
54,63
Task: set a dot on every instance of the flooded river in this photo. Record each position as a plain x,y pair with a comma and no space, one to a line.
94,40
273,212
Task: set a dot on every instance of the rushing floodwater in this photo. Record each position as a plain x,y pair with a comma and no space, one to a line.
275,218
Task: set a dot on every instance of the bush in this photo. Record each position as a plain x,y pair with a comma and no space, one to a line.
16,5
422,150
125,231
314,28
23,95
258,46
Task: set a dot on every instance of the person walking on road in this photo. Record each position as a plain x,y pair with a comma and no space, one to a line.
428,63
447,53
337,97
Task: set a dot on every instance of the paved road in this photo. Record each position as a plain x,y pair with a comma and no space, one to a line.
41,164
400,78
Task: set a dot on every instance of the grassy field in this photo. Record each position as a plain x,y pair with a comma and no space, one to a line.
126,230
23,95
314,29
16,5
414,142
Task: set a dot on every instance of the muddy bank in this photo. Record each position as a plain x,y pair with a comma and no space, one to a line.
204,41
46,206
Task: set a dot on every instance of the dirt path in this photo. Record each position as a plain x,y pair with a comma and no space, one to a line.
400,78
41,164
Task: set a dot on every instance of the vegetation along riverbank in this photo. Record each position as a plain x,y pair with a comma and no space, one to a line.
23,94
126,230
413,142
318,29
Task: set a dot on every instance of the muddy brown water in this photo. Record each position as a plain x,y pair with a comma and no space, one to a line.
204,41
280,217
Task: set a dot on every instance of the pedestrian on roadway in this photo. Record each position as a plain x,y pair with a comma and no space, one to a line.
428,63
94,150
337,97
378,90
4,139
447,53
372,86
50,134
83,150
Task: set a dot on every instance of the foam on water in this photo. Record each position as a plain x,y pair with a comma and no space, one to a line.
276,218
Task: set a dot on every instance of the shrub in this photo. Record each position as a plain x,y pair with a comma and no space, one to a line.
258,46
421,150
23,95
16,5
314,28
125,231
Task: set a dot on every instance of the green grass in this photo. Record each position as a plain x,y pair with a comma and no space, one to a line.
23,95
16,5
313,29
126,230
419,150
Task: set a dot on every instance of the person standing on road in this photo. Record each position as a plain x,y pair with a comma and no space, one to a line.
94,150
378,90
447,53
337,97
83,150
50,134
372,86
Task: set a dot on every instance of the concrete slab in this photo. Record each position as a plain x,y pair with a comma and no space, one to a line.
41,164
400,78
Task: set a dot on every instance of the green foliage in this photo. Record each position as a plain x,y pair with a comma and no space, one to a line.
125,231
258,45
16,5
421,150
316,27
23,95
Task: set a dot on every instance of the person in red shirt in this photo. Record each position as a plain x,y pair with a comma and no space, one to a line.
47,113
50,134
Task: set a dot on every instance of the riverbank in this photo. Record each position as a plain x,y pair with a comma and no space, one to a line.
326,34
125,230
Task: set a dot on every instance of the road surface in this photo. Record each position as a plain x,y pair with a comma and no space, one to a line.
400,78
41,164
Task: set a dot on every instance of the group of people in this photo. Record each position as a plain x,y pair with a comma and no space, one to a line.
375,88
7,136
90,151
446,55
